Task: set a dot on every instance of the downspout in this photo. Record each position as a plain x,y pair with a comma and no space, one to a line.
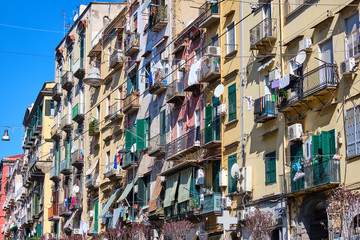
242,86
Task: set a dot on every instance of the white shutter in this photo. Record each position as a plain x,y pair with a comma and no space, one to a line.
350,132
357,128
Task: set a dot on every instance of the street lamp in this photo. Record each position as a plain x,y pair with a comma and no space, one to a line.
6,136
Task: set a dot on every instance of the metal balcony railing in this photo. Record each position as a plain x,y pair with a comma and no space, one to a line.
313,82
55,131
67,80
115,111
57,92
158,17
209,14
78,112
292,6
323,173
211,203
159,83
132,43
64,209
211,134
157,145
264,31
79,67
94,128
131,102
265,108
65,167
184,143
77,158
117,58
111,171
213,64
66,122
92,180
184,209
54,173
175,92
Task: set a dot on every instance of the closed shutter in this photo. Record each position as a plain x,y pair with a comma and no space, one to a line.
137,81
47,107
140,134
296,152
129,86
325,145
82,51
128,138
232,102
350,132
96,218
68,150
270,168
215,176
315,142
209,133
141,195
232,186
332,142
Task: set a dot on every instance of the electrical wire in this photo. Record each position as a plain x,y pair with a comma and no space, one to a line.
32,29
27,54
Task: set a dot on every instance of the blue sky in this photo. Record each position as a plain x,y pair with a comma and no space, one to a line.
23,76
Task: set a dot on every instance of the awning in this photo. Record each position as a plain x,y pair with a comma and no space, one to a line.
184,185
156,193
127,190
161,40
146,4
171,184
67,224
132,67
115,218
265,65
109,202
89,171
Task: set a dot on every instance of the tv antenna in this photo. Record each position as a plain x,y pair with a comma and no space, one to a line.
66,25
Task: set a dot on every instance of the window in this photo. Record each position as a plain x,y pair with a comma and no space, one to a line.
147,75
107,158
270,168
82,50
98,112
230,38
232,102
232,186
49,108
143,194
352,126
147,127
108,56
135,23
215,41
179,129
108,105
352,36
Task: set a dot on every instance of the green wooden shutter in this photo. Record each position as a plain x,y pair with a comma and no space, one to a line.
332,142
141,194
209,133
96,218
162,128
39,230
232,186
215,176
68,149
128,138
82,51
270,168
232,102
47,108
137,81
129,86
325,145
315,142
140,134
296,152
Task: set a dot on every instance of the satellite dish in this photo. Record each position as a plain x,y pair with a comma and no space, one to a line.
133,148
235,171
219,90
76,17
301,57
76,189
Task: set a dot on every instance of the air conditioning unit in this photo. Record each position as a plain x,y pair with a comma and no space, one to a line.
165,55
226,202
275,74
242,215
76,231
181,65
347,66
245,179
91,213
295,132
223,179
213,51
305,44
222,109
200,177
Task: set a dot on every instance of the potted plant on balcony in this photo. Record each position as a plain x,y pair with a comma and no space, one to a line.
283,95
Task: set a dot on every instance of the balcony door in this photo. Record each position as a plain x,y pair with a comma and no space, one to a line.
296,153
267,26
179,132
326,56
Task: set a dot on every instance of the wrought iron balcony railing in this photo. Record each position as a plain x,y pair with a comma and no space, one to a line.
265,108
263,34
186,143
158,17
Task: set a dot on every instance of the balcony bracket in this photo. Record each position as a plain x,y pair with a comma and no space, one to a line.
319,100
305,104
332,94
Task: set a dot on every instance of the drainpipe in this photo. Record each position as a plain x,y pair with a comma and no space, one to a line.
242,85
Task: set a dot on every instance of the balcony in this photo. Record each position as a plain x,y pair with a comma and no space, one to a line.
316,84
111,172
67,80
77,158
158,17
78,112
175,92
263,35
190,142
54,174
65,167
27,179
66,122
213,64
115,112
210,137
77,203
160,84
265,108
130,160
53,213
117,59
64,209
55,131
157,146
209,14
39,166
189,208
57,92
131,103
92,181
35,211
132,44
94,128
79,68
211,205
194,85
318,176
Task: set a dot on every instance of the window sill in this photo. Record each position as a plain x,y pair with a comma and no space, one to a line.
231,54
231,122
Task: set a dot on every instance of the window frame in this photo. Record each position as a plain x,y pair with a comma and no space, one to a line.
269,158
229,50
232,102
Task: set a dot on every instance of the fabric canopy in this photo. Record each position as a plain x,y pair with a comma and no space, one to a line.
67,224
171,185
146,4
265,65
156,193
90,170
184,186
109,202
127,190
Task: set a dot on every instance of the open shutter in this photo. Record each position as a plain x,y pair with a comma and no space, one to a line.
232,102
140,134
128,138
332,142
325,145
137,81
96,218
270,168
296,152
129,86
232,186
141,195
47,107
209,133
315,142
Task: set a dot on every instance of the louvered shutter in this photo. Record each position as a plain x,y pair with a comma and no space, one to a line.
140,134
141,194
232,186
209,133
